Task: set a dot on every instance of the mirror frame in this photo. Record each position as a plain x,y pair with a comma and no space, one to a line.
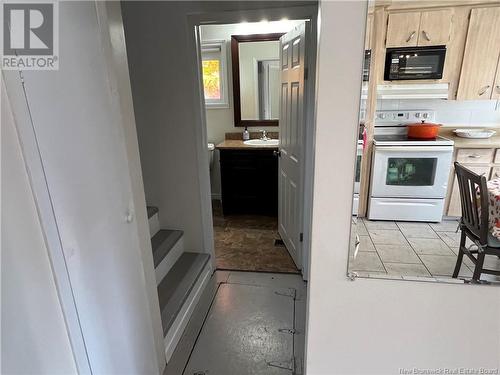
235,62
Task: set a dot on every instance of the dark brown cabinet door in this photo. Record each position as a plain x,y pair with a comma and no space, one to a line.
249,182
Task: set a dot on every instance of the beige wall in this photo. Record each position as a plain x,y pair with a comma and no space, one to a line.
34,336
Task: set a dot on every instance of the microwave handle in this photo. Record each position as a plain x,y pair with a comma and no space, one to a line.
411,36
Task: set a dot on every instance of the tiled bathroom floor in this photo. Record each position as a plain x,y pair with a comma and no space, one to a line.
411,249
247,243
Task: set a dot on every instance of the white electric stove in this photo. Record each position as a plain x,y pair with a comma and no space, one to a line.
409,177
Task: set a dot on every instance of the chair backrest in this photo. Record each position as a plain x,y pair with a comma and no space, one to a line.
474,201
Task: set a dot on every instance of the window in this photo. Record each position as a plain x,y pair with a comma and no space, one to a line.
213,56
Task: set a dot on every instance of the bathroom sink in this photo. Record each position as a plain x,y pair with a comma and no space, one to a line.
262,142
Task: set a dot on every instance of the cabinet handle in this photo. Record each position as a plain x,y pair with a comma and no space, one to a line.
497,87
411,36
426,36
277,153
474,156
483,90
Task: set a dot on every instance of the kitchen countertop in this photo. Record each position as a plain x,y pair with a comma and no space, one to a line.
493,142
233,144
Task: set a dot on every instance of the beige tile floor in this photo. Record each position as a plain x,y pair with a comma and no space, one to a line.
411,249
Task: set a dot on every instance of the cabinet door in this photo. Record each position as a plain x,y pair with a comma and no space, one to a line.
475,155
368,34
454,207
402,29
495,173
496,86
481,55
435,27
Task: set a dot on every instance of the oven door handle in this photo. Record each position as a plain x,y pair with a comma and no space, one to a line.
414,148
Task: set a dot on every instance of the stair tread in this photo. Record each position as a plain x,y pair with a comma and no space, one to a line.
151,211
175,287
162,242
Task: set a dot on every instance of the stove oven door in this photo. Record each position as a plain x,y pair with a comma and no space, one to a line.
411,171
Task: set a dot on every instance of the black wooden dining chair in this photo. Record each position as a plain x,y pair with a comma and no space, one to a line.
474,222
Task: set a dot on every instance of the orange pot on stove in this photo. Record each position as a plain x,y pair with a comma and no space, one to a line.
423,130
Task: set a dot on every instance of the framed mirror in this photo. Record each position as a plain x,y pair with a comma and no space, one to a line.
421,211
256,79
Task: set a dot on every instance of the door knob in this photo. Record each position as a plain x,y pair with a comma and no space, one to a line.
129,216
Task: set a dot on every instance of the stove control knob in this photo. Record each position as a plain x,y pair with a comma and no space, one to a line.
417,114
425,115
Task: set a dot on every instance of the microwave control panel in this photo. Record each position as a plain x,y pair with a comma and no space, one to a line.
394,118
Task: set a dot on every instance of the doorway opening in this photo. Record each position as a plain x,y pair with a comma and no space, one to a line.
253,77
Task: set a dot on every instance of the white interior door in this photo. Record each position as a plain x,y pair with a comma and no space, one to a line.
292,59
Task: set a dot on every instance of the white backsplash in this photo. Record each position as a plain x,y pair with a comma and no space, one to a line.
470,113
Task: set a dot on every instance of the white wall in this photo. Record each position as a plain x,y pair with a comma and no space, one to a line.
469,113
375,326
33,331
165,94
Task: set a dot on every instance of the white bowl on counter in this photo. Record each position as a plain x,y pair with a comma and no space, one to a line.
474,133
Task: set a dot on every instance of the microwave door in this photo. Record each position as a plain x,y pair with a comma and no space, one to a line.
420,65
415,63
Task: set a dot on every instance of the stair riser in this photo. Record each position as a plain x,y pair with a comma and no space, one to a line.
154,225
166,264
176,330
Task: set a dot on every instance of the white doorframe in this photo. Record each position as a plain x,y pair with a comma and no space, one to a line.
112,35
194,45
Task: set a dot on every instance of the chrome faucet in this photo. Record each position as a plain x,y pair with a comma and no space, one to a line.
264,136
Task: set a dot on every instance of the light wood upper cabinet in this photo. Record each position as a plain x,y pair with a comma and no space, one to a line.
482,50
435,27
402,29
427,28
496,86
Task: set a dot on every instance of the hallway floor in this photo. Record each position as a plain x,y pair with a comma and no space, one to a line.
248,327
248,243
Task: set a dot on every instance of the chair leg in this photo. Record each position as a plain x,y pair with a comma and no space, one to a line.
479,267
460,256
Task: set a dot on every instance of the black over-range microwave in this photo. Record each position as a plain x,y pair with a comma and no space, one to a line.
408,63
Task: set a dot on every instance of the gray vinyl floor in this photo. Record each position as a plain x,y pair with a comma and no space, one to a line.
254,324
411,249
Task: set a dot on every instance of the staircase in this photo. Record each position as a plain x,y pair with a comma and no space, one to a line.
180,277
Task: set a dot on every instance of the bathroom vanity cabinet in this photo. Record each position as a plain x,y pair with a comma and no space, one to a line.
249,179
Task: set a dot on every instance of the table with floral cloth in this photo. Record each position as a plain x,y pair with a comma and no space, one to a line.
493,188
